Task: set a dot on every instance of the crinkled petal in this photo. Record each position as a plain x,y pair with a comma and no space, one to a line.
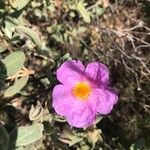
107,99
97,72
63,101
70,72
82,118
85,115
79,113
93,101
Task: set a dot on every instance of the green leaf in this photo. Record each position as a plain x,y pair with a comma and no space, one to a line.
100,11
16,87
10,24
4,138
19,4
83,12
27,134
29,32
81,29
69,138
14,62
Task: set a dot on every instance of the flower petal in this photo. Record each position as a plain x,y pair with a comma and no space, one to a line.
70,72
107,99
63,101
79,113
82,118
97,72
93,101
85,116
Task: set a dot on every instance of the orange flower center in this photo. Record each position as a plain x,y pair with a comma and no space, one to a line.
81,90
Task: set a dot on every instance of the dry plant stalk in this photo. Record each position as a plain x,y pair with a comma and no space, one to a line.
23,72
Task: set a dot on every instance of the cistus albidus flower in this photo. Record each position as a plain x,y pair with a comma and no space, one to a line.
84,92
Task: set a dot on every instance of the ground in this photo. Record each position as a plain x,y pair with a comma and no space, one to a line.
114,32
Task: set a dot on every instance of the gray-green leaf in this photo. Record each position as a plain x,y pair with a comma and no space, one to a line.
27,134
83,12
19,4
14,62
69,138
29,32
16,87
10,24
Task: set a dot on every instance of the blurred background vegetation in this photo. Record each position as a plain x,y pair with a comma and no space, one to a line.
36,36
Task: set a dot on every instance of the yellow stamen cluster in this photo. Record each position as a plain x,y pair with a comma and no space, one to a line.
82,90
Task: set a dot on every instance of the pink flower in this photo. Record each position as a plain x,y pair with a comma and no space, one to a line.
83,92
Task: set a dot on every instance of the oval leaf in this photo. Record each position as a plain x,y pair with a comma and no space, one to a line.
16,87
83,12
14,62
10,24
29,32
27,135
19,4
